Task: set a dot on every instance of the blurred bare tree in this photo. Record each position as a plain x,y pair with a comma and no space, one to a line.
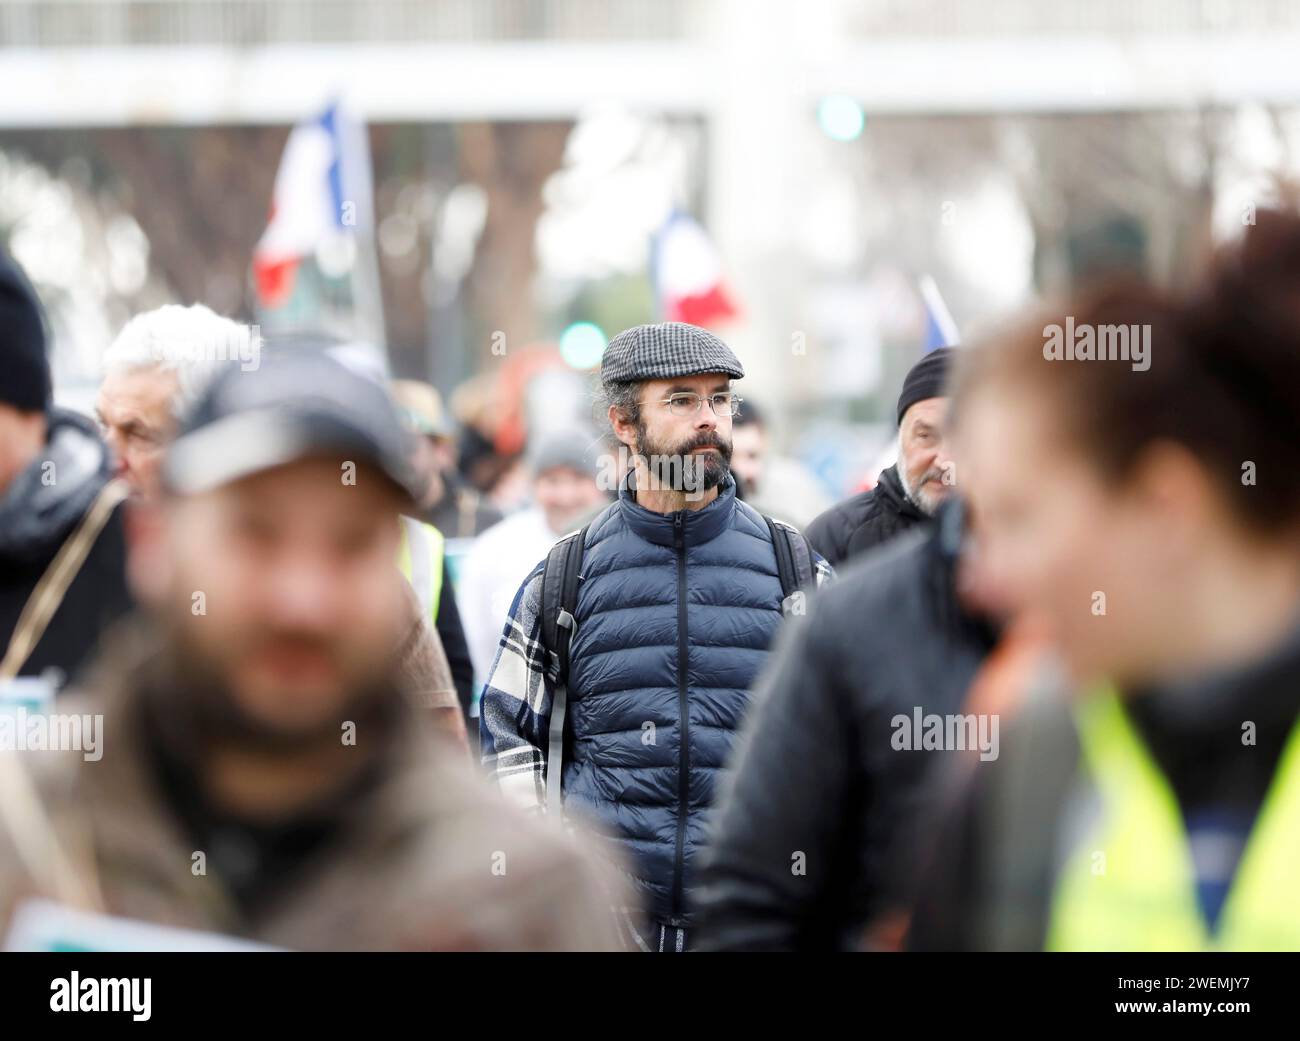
511,162
200,196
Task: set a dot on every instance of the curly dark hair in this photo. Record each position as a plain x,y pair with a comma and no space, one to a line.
1223,375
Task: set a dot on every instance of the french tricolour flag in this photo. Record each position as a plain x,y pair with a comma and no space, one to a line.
688,274
320,190
940,329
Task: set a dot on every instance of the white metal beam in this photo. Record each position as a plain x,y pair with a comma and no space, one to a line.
51,87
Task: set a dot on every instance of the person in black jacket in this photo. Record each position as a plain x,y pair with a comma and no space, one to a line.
54,481
907,493
811,837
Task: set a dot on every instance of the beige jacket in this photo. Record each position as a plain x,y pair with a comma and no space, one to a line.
433,859
425,673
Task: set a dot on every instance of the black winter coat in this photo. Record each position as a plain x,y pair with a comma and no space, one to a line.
810,841
36,517
850,528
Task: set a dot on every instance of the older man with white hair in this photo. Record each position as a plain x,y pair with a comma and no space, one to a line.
160,363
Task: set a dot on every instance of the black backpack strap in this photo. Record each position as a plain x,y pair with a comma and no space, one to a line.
559,622
802,552
794,560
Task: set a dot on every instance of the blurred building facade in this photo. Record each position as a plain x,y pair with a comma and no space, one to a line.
526,152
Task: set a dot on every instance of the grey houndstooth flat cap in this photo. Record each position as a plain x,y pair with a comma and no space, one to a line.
659,352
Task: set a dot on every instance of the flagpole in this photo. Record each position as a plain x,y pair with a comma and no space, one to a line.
366,283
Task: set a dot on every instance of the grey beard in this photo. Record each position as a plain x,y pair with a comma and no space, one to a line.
910,494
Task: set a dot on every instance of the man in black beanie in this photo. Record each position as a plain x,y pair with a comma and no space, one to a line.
907,493
62,554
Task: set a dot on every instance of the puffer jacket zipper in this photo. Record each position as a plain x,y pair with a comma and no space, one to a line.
684,729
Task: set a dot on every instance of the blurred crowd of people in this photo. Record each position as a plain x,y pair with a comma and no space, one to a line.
376,673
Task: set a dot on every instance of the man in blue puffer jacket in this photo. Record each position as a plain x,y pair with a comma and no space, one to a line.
678,600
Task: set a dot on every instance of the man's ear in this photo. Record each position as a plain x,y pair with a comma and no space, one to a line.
623,430
148,563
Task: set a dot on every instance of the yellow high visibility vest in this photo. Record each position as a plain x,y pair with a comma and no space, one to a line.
419,558
1130,886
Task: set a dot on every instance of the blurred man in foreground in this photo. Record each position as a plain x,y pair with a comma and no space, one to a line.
263,773
909,492
160,365
1143,504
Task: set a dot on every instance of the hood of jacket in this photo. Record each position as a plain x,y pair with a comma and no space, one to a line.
45,500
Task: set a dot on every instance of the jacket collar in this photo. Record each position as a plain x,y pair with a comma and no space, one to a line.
889,486
1265,689
1188,724
944,544
698,526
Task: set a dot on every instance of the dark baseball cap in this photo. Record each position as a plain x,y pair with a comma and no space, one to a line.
293,406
